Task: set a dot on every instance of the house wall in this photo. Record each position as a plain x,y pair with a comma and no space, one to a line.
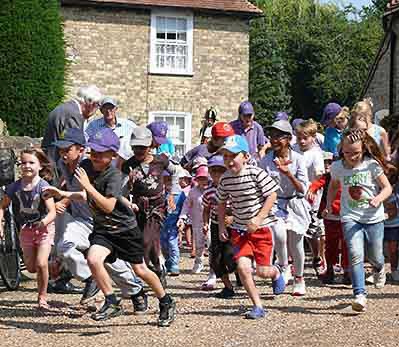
110,48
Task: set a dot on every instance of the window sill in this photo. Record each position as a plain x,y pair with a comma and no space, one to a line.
175,74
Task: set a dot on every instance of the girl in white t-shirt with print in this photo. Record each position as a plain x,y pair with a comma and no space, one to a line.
360,173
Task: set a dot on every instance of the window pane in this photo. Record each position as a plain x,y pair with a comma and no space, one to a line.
160,49
171,24
161,24
170,49
182,24
161,36
181,62
181,50
180,122
170,61
182,36
171,36
160,61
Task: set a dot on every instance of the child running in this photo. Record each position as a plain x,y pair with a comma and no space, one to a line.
115,231
252,192
360,174
34,215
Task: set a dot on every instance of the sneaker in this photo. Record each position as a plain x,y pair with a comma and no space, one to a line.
140,302
379,278
256,313
208,285
370,279
197,268
395,276
299,288
108,311
359,304
167,313
225,293
278,285
89,292
287,274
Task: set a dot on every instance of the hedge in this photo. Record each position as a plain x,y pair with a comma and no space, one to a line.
32,64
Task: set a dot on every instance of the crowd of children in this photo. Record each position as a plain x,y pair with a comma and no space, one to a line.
249,209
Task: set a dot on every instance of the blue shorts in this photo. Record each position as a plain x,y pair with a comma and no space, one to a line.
391,234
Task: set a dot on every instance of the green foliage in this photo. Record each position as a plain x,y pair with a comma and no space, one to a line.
32,63
324,51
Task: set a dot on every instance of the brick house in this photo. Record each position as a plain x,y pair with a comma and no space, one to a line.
162,59
382,82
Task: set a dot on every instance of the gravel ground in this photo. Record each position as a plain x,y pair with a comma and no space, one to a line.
321,318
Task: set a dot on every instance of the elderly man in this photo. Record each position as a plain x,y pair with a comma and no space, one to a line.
246,126
71,114
121,126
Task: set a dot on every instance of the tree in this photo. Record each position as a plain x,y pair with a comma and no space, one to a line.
325,51
32,63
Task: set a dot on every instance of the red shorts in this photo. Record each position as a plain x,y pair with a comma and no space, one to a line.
31,237
257,245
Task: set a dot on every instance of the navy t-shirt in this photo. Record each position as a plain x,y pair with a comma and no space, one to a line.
28,205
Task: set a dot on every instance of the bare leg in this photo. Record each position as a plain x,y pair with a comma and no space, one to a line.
244,268
150,278
95,259
226,281
43,253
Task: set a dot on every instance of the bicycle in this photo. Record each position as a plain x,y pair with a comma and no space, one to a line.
10,266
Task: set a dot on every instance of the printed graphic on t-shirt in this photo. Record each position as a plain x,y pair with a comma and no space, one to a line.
359,198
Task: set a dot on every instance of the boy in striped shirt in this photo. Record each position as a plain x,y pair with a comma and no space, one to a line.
252,193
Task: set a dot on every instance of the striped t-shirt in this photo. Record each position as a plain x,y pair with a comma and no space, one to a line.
248,191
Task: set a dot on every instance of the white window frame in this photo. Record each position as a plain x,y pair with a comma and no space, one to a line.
187,124
153,54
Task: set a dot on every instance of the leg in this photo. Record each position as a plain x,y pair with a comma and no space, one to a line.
122,274
150,278
174,251
297,252
95,259
244,268
43,253
29,254
393,254
375,244
354,236
280,243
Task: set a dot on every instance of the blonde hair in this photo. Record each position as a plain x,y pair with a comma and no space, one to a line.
307,128
363,109
344,113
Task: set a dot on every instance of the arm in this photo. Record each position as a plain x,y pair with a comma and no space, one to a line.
285,170
385,193
386,146
331,194
5,202
205,217
50,216
223,236
255,222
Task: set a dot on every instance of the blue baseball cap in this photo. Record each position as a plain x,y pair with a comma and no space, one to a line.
159,130
246,108
330,112
216,160
280,116
236,144
69,137
104,140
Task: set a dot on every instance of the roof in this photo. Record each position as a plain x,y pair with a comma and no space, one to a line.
239,7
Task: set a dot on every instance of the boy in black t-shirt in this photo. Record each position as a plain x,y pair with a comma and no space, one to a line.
115,233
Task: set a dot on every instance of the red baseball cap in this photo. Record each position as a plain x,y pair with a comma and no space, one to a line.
222,129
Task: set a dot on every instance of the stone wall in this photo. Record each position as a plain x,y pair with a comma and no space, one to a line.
110,48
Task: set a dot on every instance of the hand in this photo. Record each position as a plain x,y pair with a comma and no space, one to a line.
171,203
282,166
134,207
375,202
1,231
180,223
60,207
310,196
325,213
254,224
205,229
51,192
40,224
228,220
223,235
83,179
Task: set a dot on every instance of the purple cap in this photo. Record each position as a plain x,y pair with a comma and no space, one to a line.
159,130
104,140
246,108
330,112
296,122
216,160
280,116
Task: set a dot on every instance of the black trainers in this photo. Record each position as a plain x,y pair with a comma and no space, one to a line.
140,302
108,311
162,277
225,293
167,313
63,287
90,291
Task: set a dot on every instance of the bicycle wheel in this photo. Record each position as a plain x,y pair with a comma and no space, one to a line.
9,254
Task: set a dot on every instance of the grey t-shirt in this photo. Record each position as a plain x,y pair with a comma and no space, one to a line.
359,186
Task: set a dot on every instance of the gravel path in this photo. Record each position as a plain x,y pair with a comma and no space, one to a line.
321,318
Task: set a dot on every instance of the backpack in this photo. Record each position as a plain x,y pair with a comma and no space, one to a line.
7,166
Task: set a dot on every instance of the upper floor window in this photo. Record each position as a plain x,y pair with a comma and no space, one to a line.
171,43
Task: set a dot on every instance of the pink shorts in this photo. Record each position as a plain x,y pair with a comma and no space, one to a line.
31,237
